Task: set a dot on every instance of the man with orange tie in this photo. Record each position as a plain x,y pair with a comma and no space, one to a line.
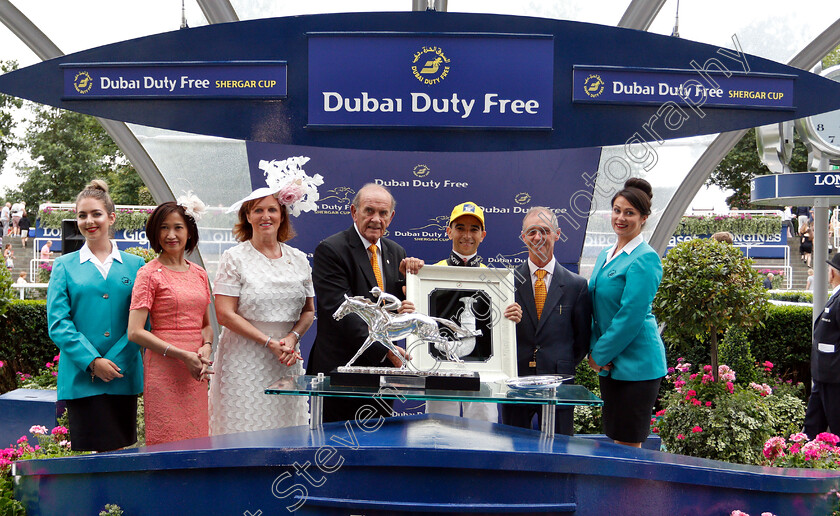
552,336
351,263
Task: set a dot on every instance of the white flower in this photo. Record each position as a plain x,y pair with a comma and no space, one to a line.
38,430
193,206
299,191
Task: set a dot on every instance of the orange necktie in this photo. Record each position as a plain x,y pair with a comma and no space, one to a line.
539,291
376,272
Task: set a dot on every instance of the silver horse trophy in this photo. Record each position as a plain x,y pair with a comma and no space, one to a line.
385,326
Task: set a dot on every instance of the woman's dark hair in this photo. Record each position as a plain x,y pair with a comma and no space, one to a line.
638,192
156,221
243,230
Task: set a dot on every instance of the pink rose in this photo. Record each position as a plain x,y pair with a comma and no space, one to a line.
696,430
289,194
680,437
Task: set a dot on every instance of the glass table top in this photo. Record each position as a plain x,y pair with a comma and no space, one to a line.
494,392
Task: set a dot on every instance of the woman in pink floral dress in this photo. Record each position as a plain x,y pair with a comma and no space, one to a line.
175,295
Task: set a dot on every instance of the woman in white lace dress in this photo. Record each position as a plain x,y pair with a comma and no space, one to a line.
264,300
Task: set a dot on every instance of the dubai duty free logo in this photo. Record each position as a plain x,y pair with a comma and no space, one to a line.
421,170
593,85
522,198
82,82
430,65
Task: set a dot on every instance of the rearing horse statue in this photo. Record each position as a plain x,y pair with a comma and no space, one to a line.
385,327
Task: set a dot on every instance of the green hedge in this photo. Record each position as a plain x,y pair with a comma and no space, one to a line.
128,219
793,296
785,341
25,344
740,224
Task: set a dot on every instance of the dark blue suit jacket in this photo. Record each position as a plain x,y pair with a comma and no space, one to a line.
563,332
825,364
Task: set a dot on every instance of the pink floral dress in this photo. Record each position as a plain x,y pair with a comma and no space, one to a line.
175,404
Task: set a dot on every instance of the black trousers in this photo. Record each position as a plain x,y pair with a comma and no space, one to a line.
521,414
823,412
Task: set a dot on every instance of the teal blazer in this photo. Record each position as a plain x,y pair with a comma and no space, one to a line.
88,318
624,331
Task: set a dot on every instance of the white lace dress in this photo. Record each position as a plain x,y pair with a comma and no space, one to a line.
271,295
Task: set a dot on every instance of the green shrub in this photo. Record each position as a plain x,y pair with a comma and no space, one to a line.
735,351
793,296
708,286
587,419
128,219
785,341
7,294
25,344
721,420
740,224
142,252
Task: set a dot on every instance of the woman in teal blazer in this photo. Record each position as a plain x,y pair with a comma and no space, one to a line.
100,372
626,349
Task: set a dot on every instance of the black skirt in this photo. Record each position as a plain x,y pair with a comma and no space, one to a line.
102,423
628,407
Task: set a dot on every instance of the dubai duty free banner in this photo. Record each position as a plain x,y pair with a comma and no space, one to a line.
427,186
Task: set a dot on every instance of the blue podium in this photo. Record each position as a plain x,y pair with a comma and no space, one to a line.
427,464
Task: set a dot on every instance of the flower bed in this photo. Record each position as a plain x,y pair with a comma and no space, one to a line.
127,218
722,420
50,443
740,224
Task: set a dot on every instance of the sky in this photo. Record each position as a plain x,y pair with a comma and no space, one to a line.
769,28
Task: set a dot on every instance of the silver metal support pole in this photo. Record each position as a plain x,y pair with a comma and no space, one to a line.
547,426
316,412
820,255
422,5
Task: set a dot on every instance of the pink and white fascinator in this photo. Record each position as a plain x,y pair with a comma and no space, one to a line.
289,183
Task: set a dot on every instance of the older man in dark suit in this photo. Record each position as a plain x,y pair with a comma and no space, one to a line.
352,262
823,413
552,336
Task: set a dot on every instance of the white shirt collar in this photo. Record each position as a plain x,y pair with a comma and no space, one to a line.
629,248
463,257
834,291
549,267
86,254
367,243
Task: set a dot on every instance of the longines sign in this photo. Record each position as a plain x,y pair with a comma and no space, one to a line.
411,80
801,186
